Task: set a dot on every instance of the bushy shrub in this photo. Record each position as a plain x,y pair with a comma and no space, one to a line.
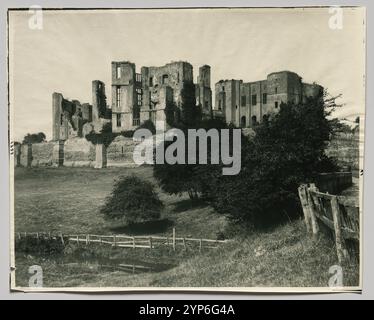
44,246
132,200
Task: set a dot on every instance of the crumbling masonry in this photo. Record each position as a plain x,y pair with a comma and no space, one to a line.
137,97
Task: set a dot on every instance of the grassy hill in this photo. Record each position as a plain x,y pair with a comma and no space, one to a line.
68,200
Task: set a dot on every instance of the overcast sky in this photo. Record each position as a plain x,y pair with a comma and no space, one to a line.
76,47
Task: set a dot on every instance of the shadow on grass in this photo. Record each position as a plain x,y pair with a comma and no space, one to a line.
189,204
144,228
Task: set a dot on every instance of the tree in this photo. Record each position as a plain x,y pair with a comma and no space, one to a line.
132,200
191,178
34,138
286,150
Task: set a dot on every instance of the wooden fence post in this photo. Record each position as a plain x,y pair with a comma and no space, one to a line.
133,242
62,240
174,239
201,245
312,215
304,204
184,243
114,240
339,240
150,242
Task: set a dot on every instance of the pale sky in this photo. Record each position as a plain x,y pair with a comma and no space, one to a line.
76,47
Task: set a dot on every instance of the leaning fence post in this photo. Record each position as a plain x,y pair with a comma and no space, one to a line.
312,215
62,240
339,241
304,204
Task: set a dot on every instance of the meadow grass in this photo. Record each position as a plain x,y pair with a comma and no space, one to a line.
68,200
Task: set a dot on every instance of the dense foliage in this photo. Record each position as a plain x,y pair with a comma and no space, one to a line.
34,138
132,200
287,149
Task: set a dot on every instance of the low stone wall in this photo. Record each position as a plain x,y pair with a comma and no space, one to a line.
26,155
120,152
334,183
78,152
42,154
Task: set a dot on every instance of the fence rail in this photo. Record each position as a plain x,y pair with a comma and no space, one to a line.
126,241
338,213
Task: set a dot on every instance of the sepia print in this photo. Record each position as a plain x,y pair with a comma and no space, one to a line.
186,149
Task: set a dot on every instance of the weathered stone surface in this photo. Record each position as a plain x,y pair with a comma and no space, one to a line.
42,154
26,155
101,160
94,126
78,152
120,152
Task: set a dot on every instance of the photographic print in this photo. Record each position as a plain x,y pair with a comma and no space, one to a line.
215,149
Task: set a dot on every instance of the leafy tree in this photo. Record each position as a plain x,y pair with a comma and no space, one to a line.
132,200
191,178
34,138
286,150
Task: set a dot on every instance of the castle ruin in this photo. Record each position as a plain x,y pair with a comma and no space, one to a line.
245,104
138,97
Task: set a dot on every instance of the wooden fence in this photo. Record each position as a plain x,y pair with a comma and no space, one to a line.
125,241
338,213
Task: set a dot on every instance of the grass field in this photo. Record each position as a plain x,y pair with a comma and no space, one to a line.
68,200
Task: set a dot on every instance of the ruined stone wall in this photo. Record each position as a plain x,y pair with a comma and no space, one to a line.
120,152
26,155
173,75
42,154
78,152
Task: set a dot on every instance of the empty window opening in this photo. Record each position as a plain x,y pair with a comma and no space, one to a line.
118,119
165,78
243,121
264,98
244,101
118,96
254,99
254,120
